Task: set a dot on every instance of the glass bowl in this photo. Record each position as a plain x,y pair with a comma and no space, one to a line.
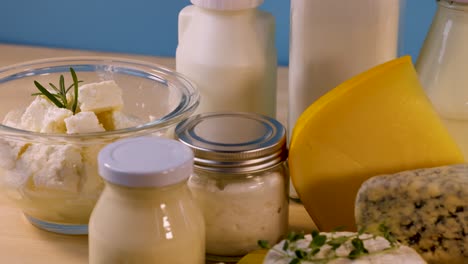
53,178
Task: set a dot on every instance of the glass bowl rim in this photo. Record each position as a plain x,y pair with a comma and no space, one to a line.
182,111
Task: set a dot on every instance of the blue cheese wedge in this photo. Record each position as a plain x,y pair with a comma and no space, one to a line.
380,252
426,209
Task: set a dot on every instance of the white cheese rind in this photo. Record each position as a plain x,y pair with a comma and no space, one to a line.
426,209
83,122
399,254
100,97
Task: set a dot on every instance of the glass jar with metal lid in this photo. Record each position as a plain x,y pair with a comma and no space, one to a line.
240,180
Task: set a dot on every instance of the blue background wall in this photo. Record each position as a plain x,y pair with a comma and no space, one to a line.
150,27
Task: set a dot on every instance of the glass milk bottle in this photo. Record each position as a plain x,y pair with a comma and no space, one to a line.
442,67
227,48
146,213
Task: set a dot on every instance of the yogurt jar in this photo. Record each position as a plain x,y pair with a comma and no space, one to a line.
240,180
146,213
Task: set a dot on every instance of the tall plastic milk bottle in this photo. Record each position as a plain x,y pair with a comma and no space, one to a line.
227,48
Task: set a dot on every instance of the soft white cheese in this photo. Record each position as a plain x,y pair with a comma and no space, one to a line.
54,121
399,254
33,117
7,156
100,97
13,119
233,209
52,166
114,120
83,122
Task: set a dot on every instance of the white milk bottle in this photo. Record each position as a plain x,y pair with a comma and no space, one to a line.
331,41
227,48
442,64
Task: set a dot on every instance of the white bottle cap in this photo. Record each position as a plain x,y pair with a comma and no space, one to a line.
145,162
227,4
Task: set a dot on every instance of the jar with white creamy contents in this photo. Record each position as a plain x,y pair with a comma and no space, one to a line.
442,67
146,213
240,180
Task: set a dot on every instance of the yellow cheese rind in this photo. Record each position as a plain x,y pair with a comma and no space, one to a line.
255,257
379,122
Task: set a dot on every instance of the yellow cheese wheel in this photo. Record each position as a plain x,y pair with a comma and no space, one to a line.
255,257
376,123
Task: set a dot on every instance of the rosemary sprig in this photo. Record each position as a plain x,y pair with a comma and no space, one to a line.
355,242
59,98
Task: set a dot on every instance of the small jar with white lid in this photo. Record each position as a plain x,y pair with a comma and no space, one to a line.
146,213
240,180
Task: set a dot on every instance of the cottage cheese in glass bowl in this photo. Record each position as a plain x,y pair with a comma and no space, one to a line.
48,155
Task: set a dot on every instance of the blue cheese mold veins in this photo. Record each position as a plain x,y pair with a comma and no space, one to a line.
426,209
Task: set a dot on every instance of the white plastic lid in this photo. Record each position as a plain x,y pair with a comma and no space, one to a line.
145,162
227,4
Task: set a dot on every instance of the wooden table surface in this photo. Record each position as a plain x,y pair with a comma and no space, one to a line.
22,243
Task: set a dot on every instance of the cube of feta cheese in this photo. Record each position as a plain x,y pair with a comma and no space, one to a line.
113,120
13,119
100,97
54,121
83,122
33,117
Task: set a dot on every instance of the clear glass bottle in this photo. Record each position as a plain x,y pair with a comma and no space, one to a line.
146,213
442,64
240,180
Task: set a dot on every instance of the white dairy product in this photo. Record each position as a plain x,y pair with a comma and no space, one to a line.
52,166
146,213
240,212
229,52
113,120
83,122
399,254
13,119
53,121
232,88
441,68
426,209
7,156
34,115
44,172
240,179
100,97
331,41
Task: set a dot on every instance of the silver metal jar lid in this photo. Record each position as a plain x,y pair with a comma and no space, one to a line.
234,142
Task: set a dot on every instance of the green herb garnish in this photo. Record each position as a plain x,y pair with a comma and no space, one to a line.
355,242
59,98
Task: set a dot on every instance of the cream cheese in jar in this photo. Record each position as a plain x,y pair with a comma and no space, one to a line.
240,180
